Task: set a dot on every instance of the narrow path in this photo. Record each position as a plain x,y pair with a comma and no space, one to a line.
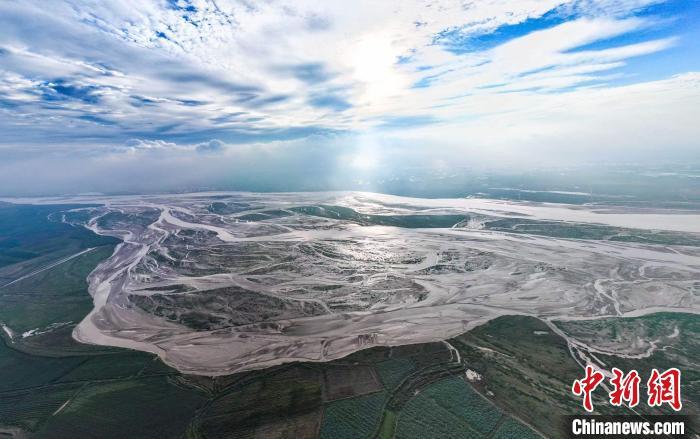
48,267
453,351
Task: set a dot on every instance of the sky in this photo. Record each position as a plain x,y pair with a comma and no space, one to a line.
140,95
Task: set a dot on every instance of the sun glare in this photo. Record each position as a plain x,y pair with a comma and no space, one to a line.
372,59
364,160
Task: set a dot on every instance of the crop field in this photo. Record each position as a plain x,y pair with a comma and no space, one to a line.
511,429
30,408
526,367
57,295
354,417
423,417
394,370
112,366
22,371
26,234
456,396
425,354
451,407
137,408
288,397
346,382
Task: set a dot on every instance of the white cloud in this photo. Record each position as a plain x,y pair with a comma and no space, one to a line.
134,145
101,73
148,49
634,122
211,147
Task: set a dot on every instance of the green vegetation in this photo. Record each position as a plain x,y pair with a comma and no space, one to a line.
511,429
394,370
138,408
265,215
447,408
282,399
26,233
426,396
125,364
52,386
388,428
407,221
346,382
527,370
677,344
227,208
560,229
113,220
52,292
352,418
29,409
53,296
23,371
680,330
91,392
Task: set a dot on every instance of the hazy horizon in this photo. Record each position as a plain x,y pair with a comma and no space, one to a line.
172,95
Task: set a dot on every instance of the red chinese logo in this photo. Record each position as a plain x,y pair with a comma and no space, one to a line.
662,388
587,385
665,387
625,388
